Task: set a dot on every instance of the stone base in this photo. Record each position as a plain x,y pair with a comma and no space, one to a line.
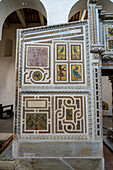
59,155
34,149
53,163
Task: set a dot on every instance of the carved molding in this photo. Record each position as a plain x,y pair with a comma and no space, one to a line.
97,48
107,56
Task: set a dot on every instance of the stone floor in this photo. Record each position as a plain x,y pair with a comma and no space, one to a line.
108,157
107,123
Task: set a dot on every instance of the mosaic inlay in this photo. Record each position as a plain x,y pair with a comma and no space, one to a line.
76,73
37,114
108,37
110,31
110,43
37,64
37,76
54,114
36,121
38,56
70,114
72,69
75,52
61,52
61,72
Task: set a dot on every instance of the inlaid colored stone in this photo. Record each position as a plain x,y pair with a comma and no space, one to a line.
37,76
36,121
61,72
76,73
61,52
75,52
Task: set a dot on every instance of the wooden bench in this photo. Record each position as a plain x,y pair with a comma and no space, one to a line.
8,109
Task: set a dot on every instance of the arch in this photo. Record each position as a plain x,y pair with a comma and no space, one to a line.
10,6
78,6
79,16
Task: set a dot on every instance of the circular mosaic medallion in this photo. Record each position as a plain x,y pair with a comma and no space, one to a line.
69,127
37,76
69,101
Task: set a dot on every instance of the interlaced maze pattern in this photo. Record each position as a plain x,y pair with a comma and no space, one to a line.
70,114
54,114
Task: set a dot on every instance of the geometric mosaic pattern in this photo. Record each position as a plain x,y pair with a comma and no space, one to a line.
69,63
36,114
46,109
37,64
54,114
70,114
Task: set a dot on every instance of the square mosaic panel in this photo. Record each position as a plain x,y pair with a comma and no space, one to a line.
110,43
75,52
61,72
108,37
61,52
38,56
110,32
76,72
70,114
36,121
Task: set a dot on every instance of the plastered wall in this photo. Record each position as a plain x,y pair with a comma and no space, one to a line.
7,68
107,94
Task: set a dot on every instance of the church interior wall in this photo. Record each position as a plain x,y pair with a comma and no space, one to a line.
7,65
107,95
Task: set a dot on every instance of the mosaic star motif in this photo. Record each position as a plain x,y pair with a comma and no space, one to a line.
37,76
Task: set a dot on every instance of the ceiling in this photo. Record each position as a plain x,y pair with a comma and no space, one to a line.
28,16
78,16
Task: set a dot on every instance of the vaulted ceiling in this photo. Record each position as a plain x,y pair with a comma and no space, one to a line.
26,16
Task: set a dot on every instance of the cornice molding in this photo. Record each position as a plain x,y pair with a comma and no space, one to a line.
97,48
107,56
